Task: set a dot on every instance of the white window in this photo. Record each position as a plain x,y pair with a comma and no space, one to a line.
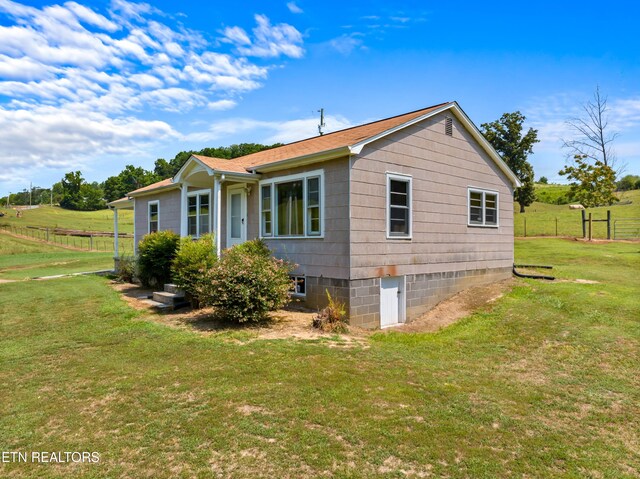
154,216
265,205
292,206
198,214
398,206
483,207
298,286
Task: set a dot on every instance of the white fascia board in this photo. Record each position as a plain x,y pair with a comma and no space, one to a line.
475,132
301,160
357,148
233,175
468,124
154,191
178,176
121,204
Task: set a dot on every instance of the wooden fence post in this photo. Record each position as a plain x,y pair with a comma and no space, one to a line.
556,226
590,228
608,224
525,227
90,242
584,226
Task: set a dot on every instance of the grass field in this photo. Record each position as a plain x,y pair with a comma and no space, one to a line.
544,383
552,193
56,217
24,259
541,217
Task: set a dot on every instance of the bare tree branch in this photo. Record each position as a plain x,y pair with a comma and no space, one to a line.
593,139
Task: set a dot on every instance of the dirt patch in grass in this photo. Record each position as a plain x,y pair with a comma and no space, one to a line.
457,307
294,322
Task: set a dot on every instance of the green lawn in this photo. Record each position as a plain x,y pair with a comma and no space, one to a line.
56,217
546,383
541,217
24,259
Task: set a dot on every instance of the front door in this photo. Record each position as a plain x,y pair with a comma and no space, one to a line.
392,303
236,215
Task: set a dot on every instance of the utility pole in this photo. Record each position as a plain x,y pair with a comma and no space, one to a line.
52,196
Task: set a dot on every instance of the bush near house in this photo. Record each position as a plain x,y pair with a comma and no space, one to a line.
333,318
156,252
193,259
246,283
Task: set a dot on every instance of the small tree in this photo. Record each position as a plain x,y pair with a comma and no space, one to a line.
505,135
543,180
594,183
593,137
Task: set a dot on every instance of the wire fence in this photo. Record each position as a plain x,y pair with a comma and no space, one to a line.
603,226
99,242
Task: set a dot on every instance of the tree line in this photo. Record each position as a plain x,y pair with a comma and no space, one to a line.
75,193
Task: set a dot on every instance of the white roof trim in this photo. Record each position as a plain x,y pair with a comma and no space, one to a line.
178,176
468,124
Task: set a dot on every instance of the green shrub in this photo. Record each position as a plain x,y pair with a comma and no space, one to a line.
255,247
155,254
193,259
245,284
333,318
126,269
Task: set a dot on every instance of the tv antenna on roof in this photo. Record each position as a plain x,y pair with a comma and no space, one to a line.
321,125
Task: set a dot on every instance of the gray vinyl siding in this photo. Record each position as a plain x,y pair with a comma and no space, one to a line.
169,212
442,168
322,257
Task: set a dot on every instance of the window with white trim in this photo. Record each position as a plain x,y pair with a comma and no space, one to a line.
154,216
398,206
298,286
483,207
292,206
198,214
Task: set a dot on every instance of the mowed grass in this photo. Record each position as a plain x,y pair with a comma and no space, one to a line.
24,259
545,383
56,217
551,193
541,217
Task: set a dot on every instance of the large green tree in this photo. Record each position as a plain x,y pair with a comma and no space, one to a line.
129,179
505,135
80,195
594,182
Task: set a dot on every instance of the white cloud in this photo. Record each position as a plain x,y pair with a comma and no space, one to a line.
346,44
269,41
73,80
293,8
221,105
269,132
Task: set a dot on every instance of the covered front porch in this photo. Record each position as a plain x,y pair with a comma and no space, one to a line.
204,197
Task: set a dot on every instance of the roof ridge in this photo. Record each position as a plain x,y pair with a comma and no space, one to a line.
351,128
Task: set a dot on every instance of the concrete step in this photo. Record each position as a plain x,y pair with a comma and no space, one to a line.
167,298
172,288
158,305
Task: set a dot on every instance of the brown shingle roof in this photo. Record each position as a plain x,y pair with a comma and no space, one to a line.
317,144
153,186
329,141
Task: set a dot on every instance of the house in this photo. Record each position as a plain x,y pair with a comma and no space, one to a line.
391,217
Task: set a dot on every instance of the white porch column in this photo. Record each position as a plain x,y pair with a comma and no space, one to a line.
217,222
115,233
184,209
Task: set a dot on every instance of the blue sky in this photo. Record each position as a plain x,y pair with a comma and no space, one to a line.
96,85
